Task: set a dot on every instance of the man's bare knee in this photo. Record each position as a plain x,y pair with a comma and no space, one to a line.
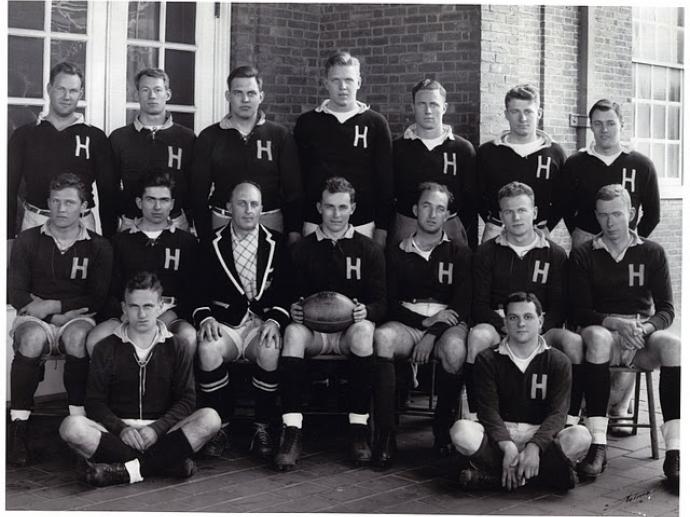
210,354
598,342
574,441
452,354
666,346
295,341
466,436
481,337
187,335
74,429
384,341
360,337
30,340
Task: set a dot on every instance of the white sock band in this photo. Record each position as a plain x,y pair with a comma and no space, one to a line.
671,432
20,414
76,410
597,426
354,418
572,420
133,470
293,420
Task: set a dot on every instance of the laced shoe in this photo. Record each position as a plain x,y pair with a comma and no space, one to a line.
594,463
215,447
475,479
262,443
18,443
672,466
384,449
290,448
360,451
106,474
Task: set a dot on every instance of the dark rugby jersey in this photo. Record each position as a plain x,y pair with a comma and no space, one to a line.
451,163
359,149
446,277
78,277
139,150
539,396
498,272
583,176
353,266
39,152
498,164
639,284
267,156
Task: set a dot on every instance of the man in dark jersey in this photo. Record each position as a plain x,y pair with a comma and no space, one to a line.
58,280
152,142
344,137
523,153
246,146
429,151
622,300
523,391
60,141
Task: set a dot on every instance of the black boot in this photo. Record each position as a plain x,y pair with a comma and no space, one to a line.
262,443
290,448
18,443
384,449
594,463
106,474
672,466
360,451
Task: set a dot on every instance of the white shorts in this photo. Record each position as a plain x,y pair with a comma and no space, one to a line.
243,334
521,433
330,342
53,332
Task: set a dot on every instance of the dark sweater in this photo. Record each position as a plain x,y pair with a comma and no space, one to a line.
505,394
39,153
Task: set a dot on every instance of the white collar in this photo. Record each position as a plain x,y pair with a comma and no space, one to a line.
138,125
625,149
320,235
541,347
411,133
323,107
502,139
408,245
541,242
136,228
227,121
599,244
79,119
162,333
83,232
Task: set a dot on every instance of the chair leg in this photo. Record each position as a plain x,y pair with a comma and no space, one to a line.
653,428
433,385
636,406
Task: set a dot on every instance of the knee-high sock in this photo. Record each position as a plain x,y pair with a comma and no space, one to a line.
577,390
215,391
291,372
75,377
485,458
449,387
25,374
265,386
168,450
597,388
113,450
467,371
669,392
360,378
384,394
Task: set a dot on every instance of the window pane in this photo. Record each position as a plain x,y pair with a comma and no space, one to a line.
130,115
673,161
665,44
658,122
642,122
66,50
26,15
642,147
143,20
69,16
647,41
180,67
681,48
659,83
186,119
659,158
25,64
180,19
673,130
644,81
18,116
674,79
138,58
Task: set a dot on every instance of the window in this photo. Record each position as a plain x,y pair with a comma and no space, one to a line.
658,64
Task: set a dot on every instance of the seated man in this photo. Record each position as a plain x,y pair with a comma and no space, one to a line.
153,243
623,301
429,295
58,280
520,258
333,258
240,315
140,399
522,392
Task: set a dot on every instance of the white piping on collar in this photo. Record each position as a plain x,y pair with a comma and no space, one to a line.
411,133
323,107
541,242
79,119
227,122
320,235
502,139
138,126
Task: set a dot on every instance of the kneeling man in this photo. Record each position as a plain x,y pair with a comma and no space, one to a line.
522,393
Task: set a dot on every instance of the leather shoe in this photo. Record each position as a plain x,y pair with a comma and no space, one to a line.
594,463
215,446
262,443
106,474
360,451
475,479
672,466
18,443
183,469
290,448
384,449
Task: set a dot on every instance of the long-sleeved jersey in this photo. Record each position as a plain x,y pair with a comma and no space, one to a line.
359,150
445,277
137,151
353,265
499,271
38,152
451,163
267,156
584,174
78,277
172,256
498,164
120,386
639,283
539,396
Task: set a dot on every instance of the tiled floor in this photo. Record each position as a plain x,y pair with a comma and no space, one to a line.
325,482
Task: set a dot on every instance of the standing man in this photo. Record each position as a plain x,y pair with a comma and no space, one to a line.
245,146
241,314
60,141
523,391
58,280
140,399
153,142
344,137
523,153
622,300
429,298
429,151
333,258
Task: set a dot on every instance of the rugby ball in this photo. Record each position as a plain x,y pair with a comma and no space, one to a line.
328,311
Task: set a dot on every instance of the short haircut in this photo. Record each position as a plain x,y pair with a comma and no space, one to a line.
435,187
428,84
68,180
337,184
156,73
522,296
66,67
523,92
156,178
606,105
246,72
341,58
515,189
142,281
611,192
246,182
